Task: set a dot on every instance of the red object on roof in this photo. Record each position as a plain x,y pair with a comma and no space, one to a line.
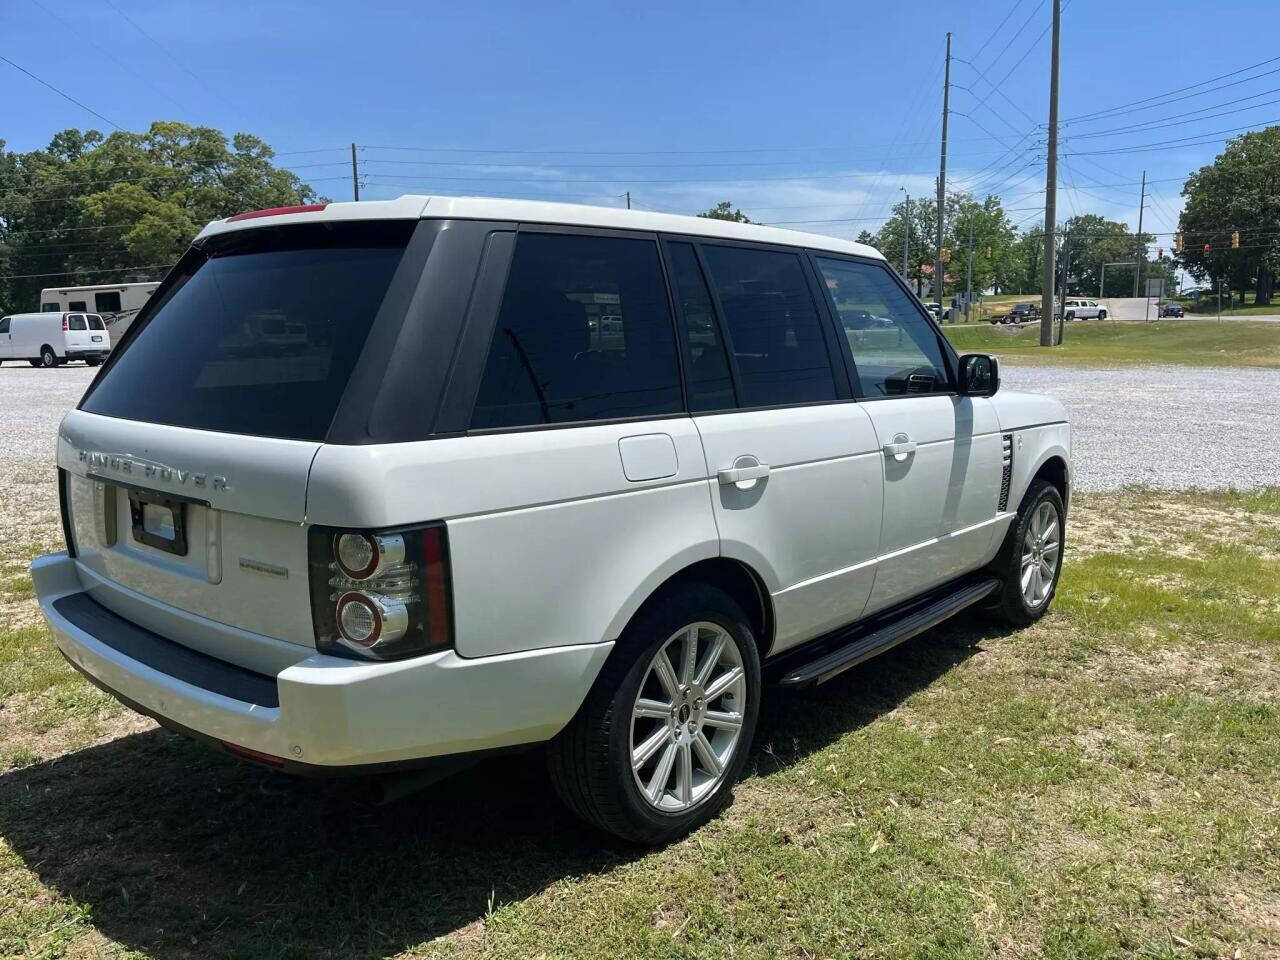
277,211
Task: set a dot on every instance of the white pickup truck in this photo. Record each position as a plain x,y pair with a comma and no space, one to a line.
533,474
1080,309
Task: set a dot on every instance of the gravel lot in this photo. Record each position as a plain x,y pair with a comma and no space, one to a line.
1164,426
1168,427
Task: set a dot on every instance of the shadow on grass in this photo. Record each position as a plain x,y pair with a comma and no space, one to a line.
179,852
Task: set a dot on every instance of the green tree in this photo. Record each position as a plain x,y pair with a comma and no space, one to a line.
88,208
724,210
1240,191
1088,242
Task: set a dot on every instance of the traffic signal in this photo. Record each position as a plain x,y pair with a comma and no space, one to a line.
1177,243
1235,240
1159,253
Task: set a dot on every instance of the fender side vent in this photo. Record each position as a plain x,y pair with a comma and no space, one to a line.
1006,471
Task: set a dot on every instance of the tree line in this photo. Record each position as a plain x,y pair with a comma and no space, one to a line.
90,208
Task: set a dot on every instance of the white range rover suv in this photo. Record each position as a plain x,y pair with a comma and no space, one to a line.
380,486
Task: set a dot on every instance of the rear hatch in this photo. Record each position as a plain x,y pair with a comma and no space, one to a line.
186,463
80,333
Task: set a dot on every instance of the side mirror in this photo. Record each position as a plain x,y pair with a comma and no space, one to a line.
979,375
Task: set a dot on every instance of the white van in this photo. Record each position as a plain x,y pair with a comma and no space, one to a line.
52,339
117,303
507,474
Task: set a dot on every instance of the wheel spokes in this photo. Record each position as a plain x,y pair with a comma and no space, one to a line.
710,762
652,709
658,783
711,659
666,675
689,656
722,683
651,745
722,719
684,775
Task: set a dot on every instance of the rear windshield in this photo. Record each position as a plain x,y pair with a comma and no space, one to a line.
259,335
75,322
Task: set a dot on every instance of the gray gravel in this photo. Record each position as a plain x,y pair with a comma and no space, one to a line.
1168,427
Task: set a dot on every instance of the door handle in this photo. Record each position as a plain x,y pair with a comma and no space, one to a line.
900,447
736,474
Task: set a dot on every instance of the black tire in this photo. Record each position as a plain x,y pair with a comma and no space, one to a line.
590,760
1102,314
1071,314
47,357
1012,605
34,363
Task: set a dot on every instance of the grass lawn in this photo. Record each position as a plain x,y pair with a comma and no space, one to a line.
1196,342
1103,784
1209,305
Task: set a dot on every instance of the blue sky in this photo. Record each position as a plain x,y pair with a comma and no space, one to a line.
804,113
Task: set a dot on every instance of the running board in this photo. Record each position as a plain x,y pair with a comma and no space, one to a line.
886,637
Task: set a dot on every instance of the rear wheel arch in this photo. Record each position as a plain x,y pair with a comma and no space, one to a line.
737,579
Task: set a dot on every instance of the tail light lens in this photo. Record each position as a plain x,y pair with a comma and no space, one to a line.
381,595
64,324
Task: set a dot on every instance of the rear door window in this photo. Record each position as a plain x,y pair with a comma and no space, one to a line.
95,322
774,329
259,337
895,349
584,333
76,322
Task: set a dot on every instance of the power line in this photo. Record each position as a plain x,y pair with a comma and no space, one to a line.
159,46
1161,96
64,95
1154,125
109,55
74,273
1214,137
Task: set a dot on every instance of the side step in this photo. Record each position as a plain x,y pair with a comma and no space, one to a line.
865,646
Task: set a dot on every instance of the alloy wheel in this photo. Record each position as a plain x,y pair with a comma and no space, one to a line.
686,722
1041,553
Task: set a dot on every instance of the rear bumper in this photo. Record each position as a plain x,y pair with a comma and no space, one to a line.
338,715
94,354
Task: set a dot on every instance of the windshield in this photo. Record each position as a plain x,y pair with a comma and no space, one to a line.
259,335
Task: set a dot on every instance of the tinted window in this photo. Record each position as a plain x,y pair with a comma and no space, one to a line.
95,322
773,326
894,347
4,325
706,365
107,302
77,305
261,336
76,322
50,308
584,333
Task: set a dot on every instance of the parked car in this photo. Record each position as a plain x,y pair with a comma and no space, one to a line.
1080,309
52,339
463,527
1172,310
116,303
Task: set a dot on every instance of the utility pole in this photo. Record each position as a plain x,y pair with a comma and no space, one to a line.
628,199
968,283
942,179
1137,253
906,239
355,175
1051,192
1066,285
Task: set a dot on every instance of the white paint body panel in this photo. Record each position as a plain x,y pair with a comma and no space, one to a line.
556,536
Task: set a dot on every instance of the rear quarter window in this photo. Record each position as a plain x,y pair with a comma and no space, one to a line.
258,335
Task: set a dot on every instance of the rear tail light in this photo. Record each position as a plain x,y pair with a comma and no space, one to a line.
64,324
381,595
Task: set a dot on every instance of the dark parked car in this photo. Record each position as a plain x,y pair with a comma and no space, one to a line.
1172,310
1021,313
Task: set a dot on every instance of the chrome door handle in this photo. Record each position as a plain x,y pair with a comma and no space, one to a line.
900,447
757,471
